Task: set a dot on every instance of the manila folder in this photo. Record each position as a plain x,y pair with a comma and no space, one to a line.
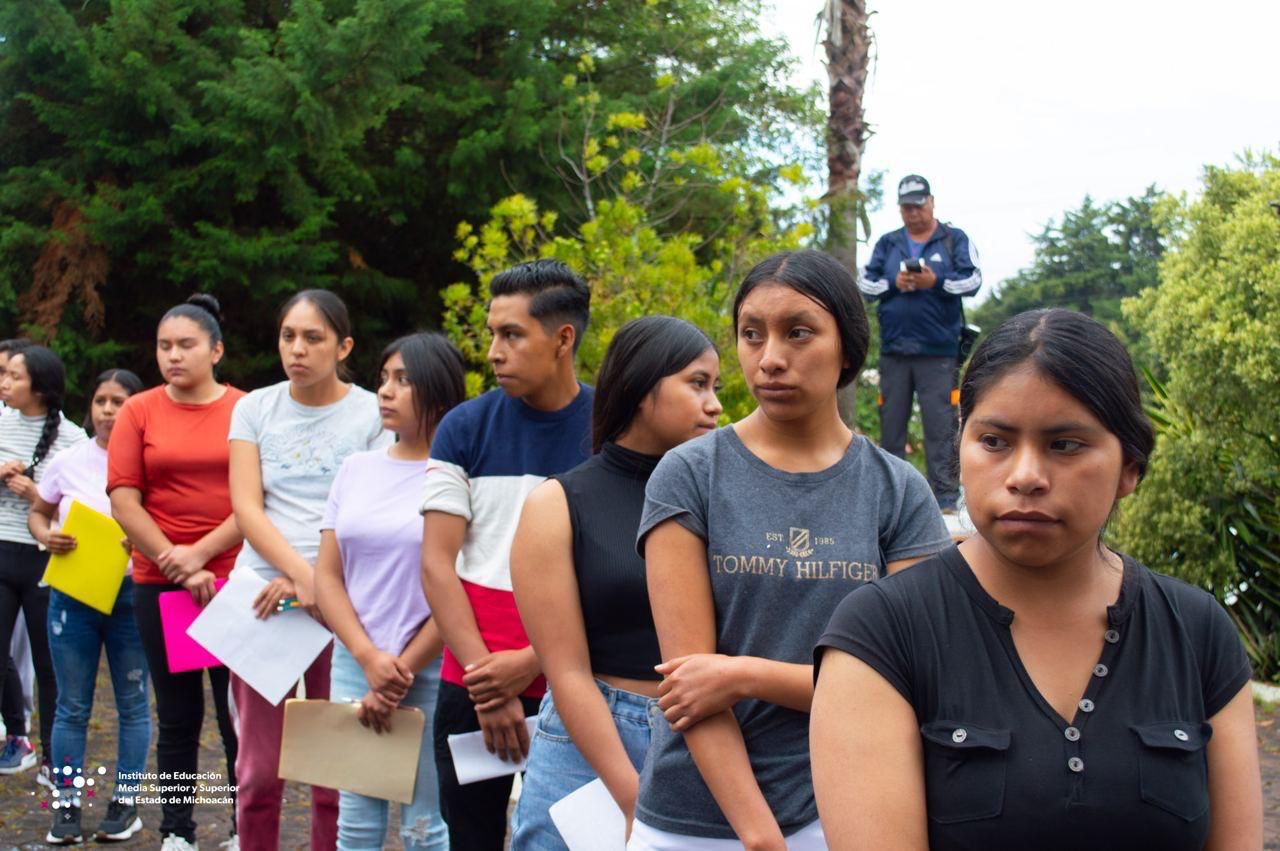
325,745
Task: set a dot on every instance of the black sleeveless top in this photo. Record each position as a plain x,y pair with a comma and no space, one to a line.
606,497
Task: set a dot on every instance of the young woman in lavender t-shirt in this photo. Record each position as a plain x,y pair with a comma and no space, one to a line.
368,585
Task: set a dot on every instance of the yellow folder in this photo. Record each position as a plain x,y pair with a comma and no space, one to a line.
323,744
93,572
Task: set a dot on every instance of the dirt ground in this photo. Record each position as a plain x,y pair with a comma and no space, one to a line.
25,816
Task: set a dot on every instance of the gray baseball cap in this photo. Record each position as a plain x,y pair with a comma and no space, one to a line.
913,190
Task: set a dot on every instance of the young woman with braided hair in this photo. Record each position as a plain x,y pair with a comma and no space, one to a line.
33,385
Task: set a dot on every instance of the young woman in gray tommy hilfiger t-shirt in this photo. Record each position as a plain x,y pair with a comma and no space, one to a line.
751,536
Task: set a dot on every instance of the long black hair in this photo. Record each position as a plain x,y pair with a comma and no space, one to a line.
125,378
821,277
331,308
436,372
1077,354
642,353
49,382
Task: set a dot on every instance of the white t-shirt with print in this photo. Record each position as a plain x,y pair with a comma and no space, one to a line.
301,448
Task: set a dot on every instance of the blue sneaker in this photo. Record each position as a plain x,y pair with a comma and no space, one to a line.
18,755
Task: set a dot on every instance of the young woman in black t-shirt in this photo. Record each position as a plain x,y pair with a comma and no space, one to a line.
1033,688
580,584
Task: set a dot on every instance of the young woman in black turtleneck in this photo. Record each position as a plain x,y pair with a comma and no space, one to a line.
580,584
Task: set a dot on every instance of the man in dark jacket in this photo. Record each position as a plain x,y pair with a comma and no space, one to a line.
918,274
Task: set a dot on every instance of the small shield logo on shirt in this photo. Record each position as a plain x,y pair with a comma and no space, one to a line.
799,546
936,258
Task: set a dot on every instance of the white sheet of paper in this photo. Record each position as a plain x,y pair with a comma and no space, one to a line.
270,655
472,762
590,820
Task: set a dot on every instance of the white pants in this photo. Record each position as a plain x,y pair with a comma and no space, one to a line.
646,838
20,653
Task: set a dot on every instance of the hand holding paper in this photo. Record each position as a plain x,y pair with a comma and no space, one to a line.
504,732
270,655
323,744
59,543
177,611
92,570
472,761
375,711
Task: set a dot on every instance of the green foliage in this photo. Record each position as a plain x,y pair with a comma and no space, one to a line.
634,269
1209,510
202,154
1090,261
254,148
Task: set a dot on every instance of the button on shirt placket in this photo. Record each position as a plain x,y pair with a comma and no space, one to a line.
1072,734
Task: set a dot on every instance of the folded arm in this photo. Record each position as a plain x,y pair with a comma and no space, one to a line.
684,614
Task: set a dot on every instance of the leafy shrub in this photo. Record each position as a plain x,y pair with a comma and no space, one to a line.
1209,510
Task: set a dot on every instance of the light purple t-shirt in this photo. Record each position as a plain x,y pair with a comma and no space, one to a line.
379,536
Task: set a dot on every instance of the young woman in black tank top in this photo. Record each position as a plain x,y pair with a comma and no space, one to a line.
580,585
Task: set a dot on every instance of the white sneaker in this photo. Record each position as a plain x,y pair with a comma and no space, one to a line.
45,777
232,844
174,842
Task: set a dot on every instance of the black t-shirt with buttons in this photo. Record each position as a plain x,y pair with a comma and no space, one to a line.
1002,769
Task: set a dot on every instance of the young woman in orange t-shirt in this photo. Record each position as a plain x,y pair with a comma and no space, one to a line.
167,477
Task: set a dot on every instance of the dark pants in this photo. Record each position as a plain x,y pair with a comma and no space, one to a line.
21,567
180,713
477,812
13,707
931,380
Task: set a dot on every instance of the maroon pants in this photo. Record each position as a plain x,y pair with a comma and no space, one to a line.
261,726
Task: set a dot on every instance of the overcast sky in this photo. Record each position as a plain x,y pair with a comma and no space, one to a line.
1016,109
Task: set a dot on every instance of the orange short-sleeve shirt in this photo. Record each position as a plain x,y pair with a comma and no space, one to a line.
176,454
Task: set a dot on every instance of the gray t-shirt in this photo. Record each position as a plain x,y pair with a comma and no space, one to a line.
783,549
301,448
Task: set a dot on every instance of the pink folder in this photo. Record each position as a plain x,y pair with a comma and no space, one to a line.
177,611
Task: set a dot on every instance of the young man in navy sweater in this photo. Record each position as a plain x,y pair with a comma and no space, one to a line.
486,455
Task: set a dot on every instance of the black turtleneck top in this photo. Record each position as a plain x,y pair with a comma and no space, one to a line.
606,496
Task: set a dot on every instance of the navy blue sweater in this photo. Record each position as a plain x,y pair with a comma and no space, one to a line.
922,322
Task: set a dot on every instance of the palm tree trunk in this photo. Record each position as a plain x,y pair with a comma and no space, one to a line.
847,44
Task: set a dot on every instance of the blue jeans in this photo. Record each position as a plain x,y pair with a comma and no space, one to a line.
362,821
77,634
556,766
